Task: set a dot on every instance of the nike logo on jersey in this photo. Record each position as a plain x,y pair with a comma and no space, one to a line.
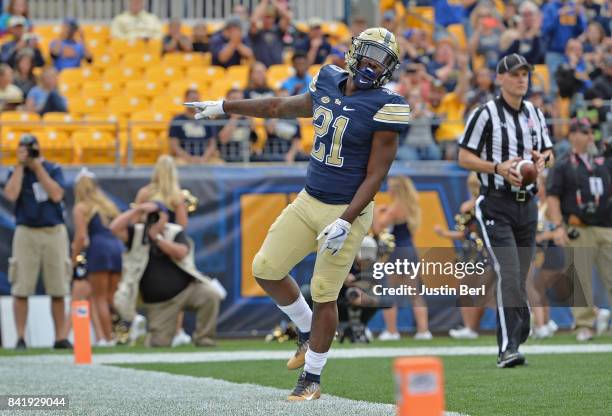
345,108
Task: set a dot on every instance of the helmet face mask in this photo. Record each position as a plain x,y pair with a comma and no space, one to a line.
377,47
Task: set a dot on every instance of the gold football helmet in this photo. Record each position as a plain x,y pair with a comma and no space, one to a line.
377,44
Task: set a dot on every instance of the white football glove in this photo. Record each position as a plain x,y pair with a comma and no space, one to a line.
335,234
206,109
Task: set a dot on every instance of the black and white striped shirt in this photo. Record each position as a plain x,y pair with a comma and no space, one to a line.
497,132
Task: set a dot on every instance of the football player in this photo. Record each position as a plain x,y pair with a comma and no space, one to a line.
356,123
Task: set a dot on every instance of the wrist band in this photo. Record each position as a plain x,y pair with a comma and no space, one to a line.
495,168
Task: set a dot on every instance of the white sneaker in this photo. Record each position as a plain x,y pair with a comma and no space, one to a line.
552,325
463,333
543,332
389,336
138,328
603,319
423,336
368,334
181,339
104,343
584,334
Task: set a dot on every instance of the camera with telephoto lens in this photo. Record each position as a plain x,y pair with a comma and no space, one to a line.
152,218
31,144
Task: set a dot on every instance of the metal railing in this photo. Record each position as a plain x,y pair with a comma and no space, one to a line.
185,9
125,144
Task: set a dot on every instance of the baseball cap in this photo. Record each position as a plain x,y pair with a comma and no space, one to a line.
580,124
233,21
389,15
28,140
512,62
71,21
315,22
16,21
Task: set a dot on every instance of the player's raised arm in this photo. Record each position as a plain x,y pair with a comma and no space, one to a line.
272,107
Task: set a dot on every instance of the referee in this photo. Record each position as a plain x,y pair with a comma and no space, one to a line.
498,134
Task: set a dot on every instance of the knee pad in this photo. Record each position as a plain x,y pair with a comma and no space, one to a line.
263,268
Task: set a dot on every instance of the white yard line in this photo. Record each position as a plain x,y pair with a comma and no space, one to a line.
104,390
227,356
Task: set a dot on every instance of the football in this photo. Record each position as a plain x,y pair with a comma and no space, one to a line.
527,171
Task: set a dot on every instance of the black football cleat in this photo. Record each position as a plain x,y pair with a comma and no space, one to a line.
509,359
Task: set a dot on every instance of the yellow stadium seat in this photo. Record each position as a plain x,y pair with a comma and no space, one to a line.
541,77
143,88
277,74
146,148
86,105
56,146
95,31
96,47
8,147
206,75
60,122
140,60
314,69
179,87
79,76
458,33
163,74
238,75
105,60
420,17
337,31
169,104
122,74
48,31
186,60
103,122
100,89
69,89
307,130
121,47
216,91
124,105
153,121
96,147
19,121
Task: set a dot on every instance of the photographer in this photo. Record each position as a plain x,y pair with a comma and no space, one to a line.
41,240
159,264
71,49
580,209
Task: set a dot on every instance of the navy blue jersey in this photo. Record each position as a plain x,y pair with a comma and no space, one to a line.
344,127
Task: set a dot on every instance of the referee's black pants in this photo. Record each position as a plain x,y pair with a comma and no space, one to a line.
508,229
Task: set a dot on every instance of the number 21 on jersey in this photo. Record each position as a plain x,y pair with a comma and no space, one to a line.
322,120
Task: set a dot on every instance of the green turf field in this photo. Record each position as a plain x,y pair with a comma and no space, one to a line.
564,338
559,384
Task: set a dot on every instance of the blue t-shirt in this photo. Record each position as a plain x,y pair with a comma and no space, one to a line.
558,28
344,130
448,12
34,208
193,135
40,97
61,62
297,85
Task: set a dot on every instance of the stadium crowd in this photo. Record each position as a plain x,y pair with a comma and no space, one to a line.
449,50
